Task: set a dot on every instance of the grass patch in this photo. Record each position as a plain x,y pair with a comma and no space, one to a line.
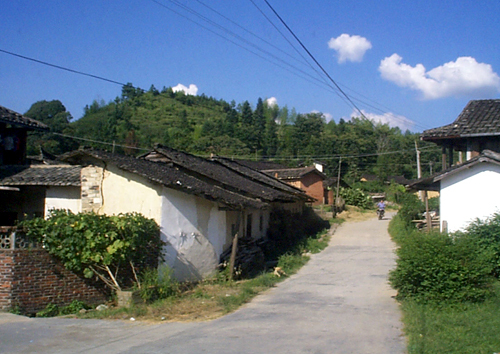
447,328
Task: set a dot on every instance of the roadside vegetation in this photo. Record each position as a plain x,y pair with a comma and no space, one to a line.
293,241
158,296
448,284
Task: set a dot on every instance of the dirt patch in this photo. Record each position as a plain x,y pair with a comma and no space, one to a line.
355,214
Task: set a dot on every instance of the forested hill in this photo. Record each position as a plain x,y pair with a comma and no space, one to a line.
204,125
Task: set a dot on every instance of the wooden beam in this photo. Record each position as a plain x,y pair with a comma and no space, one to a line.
443,158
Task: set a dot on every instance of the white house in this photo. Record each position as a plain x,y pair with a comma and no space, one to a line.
467,191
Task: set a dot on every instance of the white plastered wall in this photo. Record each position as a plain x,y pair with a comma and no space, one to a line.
124,192
63,198
470,194
195,231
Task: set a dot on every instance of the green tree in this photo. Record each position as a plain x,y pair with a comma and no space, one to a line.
53,114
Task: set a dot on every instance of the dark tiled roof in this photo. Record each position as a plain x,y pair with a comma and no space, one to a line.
218,174
169,176
261,165
16,119
433,182
260,176
40,175
293,173
479,118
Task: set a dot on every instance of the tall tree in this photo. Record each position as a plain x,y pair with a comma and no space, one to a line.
259,124
54,114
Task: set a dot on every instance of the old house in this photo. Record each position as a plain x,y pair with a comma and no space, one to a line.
468,186
477,128
24,188
29,278
200,204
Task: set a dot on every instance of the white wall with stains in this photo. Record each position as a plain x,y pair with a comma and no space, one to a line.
195,231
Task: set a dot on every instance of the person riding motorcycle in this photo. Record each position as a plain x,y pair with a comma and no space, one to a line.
381,209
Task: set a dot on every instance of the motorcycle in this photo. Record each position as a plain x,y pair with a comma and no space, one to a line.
380,213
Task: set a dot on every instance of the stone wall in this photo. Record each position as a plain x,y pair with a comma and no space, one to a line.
91,177
30,279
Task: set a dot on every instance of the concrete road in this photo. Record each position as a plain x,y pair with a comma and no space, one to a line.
339,302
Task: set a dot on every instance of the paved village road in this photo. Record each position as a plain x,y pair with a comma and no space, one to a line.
339,302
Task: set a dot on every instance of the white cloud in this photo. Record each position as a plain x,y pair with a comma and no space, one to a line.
191,90
327,116
465,76
272,102
349,48
389,118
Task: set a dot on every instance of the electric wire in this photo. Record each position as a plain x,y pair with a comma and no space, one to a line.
313,58
337,84
265,52
330,156
62,67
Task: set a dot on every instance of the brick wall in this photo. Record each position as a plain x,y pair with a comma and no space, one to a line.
312,184
30,279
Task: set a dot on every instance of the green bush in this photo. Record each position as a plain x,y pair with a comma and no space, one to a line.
370,186
395,193
487,234
356,197
434,267
113,248
411,208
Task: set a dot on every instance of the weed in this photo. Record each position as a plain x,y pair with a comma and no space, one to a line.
157,284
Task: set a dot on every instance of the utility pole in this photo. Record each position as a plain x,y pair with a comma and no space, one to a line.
338,185
423,194
419,168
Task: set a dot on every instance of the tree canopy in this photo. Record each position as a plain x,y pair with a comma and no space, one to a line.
204,125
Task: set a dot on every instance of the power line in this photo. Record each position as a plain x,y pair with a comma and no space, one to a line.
100,142
337,84
296,157
247,42
62,68
314,59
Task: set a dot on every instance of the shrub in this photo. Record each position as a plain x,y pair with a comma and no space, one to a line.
113,248
487,234
356,197
411,208
395,193
434,267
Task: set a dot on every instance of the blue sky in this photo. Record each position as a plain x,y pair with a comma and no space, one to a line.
414,64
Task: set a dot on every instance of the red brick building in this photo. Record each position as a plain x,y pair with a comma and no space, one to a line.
309,179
